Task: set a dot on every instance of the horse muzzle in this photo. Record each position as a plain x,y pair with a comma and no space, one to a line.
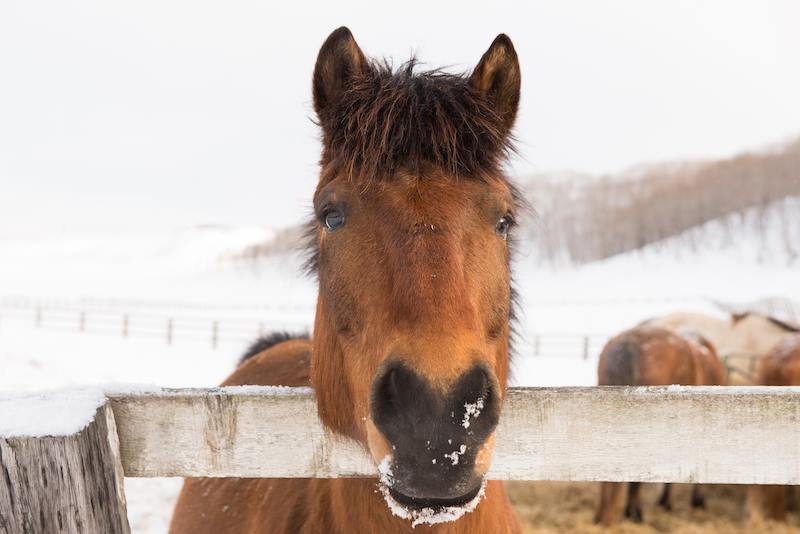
440,443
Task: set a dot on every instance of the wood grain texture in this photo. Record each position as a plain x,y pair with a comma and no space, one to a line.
666,434
65,483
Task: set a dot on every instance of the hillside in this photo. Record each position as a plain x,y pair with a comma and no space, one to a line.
767,234
581,219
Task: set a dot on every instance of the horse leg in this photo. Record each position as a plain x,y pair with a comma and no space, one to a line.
775,502
766,502
634,509
664,501
754,508
612,496
698,499
791,499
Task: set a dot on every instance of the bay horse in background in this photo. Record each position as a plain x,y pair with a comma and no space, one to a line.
410,349
781,367
741,340
652,356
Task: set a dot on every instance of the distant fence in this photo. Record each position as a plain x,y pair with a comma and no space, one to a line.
580,434
215,324
141,324
93,318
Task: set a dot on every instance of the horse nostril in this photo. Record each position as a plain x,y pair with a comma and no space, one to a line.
476,400
392,391
389,393
404,406
395,395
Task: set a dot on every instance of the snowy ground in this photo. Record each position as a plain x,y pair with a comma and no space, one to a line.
188,277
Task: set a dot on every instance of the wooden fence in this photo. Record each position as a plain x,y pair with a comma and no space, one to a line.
175,322
144,325
739,435
213,330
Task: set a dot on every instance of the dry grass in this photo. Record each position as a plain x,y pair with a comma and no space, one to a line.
569,507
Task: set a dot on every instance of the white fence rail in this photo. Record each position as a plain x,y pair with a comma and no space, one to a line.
651,434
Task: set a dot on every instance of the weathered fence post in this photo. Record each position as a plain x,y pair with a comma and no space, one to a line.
38,316
536,345
169,331
585,347
82,323
125,325
214,332
68,483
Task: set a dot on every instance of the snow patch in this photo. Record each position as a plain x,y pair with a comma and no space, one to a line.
472,411
134,389
51,413
423,516
453,456
431,516
386,476
271,390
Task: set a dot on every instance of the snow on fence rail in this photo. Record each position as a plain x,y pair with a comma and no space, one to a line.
740,435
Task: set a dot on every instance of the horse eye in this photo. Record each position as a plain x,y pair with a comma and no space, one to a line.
333,218
504,225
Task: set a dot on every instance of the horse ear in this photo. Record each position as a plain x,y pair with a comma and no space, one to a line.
497,77
339,62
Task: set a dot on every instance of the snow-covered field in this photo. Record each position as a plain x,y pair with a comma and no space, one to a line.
189,277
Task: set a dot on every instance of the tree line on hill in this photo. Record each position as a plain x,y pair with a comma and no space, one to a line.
580,219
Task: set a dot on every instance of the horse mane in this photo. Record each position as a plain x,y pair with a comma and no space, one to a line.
267,342
391,119
785,325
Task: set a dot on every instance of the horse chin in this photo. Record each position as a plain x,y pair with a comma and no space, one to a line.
431,512
420,510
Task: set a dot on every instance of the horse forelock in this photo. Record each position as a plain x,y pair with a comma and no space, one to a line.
392,119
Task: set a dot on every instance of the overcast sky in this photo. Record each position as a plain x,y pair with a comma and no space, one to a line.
146,114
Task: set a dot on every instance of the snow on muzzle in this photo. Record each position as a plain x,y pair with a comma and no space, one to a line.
440,443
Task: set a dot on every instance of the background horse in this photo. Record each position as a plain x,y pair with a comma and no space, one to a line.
741,340
409,354
781,367
652,356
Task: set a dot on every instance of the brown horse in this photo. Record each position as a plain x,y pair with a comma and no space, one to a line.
741,340
410,350
652,356
781,367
